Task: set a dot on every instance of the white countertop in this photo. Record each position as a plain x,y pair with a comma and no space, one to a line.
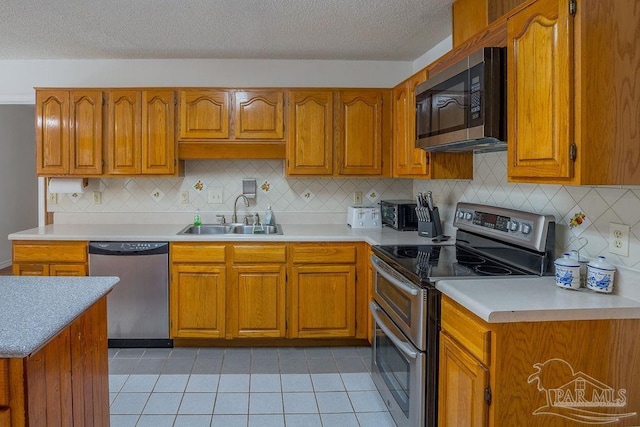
168,232
535,300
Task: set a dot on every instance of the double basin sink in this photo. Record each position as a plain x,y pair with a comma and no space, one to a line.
235,229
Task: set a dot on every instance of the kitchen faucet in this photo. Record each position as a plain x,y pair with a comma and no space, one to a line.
234,218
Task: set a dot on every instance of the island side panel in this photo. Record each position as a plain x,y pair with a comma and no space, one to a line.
553,374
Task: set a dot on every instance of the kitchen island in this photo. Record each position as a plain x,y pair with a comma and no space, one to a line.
53,351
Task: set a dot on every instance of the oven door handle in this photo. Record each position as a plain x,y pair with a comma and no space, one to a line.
406,288
402,346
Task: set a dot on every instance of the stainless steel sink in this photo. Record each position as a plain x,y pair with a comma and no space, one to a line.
232,229
207,229
258,229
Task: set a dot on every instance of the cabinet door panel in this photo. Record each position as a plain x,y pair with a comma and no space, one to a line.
259,115
67,270
540,121
158,138
258,301
310,144
360,133
323,301
85,132
124,132
52,132
462,382
197,301
408,160
204,114
24,269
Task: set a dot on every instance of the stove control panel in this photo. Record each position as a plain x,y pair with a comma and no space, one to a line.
514,226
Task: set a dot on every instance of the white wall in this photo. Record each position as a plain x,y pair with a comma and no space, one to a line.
18,182
19,77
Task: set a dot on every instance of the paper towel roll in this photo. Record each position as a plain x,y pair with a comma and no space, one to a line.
67,185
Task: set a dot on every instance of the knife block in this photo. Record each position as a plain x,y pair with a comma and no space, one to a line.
427,229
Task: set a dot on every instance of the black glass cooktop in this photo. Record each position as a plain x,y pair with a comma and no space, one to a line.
431,262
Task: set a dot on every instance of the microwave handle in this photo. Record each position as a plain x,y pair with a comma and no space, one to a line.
402,346
406,288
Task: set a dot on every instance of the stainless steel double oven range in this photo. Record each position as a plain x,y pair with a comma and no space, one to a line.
492,243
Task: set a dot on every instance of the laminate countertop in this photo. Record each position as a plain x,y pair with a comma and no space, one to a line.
33,310
168,233
538,299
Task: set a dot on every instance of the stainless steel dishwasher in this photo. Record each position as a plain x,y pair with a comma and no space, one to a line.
138,306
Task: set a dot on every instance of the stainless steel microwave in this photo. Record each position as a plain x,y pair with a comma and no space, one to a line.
463,108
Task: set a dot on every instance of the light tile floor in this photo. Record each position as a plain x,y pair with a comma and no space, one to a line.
265,387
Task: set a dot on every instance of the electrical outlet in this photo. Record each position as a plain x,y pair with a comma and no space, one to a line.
184,197
619,239
97,198
215,195
357,197
53,199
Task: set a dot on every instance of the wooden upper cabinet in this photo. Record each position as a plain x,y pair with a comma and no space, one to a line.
407,160
259,114
361,133
158,136
469,17
52,131
204,114
310,143
124,132
540,92
69,132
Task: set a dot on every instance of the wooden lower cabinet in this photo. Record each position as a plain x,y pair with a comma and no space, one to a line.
49,258
65,383
257,294
537,374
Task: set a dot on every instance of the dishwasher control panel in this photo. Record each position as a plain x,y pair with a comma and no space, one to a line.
128,247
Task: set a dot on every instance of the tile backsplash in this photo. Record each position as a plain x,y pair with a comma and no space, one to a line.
291,195
582,213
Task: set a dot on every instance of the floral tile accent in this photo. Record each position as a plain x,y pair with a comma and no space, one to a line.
198,186
577,220
373,195
157,194
265,186
307,195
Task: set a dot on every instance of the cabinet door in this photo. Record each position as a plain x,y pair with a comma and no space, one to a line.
462,384
124,130
52,132
310,143
539,92
158,137
259,115
359,129
408,160
67,270
257,303
204,114
197,301
323,301
85,132
30,269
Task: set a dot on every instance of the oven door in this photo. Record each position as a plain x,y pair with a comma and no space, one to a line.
402,300
399,372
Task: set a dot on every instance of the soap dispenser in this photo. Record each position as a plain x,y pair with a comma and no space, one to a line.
269,218
196,218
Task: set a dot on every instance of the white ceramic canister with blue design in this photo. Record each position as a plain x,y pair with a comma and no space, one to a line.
600,275
567,272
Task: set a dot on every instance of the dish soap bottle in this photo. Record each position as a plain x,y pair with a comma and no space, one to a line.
269,218
196,218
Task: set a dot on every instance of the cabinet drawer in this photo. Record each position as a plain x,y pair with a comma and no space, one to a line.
24,251
259,254
322,254
197,252
4,383
467,330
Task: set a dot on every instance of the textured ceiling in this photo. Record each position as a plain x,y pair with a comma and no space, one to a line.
394,30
